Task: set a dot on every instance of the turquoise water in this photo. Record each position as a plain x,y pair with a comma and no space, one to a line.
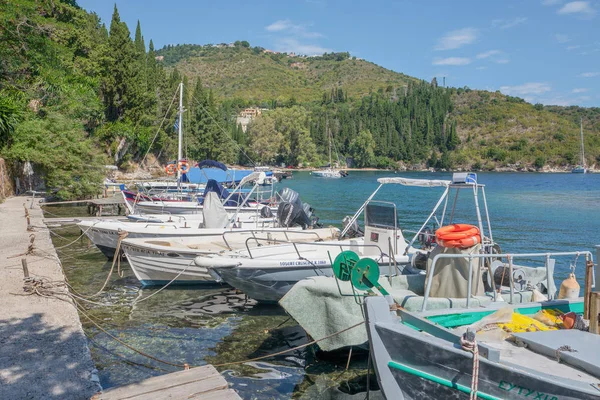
529,213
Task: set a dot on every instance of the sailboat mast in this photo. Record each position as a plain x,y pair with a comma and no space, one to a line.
582,149
180,138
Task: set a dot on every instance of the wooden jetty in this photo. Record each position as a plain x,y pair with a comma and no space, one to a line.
201,383
96,206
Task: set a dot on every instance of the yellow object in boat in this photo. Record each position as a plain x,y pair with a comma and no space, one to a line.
523,323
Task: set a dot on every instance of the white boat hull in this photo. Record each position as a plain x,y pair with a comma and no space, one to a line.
191,207
273,270
153,267
105,234
327,173
159,261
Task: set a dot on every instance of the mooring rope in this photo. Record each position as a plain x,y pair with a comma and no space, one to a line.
468,343
116,260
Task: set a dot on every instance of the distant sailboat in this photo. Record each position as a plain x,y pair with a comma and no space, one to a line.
329,172
581,168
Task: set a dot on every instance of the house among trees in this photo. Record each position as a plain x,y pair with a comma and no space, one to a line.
246,116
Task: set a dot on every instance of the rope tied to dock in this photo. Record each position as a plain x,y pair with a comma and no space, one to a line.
116,260
469,343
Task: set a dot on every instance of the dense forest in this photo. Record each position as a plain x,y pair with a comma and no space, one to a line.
76,95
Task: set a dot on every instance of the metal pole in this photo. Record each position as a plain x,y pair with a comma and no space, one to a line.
511,280
470,280
355,216
427,220
180,137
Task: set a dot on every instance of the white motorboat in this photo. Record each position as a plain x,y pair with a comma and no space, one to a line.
158,261
106,235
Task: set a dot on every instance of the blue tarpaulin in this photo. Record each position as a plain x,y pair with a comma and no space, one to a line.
213,186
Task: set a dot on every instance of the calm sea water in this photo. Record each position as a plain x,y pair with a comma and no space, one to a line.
529,213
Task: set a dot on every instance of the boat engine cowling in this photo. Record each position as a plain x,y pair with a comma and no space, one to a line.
292,212
355,230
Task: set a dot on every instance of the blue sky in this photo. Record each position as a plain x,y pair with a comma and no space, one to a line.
545,51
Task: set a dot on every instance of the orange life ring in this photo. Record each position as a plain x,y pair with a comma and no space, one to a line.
183,166
170,169
461,243
458,235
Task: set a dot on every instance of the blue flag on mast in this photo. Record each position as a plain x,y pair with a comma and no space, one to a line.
176,126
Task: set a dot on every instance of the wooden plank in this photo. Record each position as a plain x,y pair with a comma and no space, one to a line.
174,385
107,201
594,309
215,384
587,289
228,394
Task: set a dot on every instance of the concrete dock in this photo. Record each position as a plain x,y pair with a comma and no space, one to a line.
43,350
202,383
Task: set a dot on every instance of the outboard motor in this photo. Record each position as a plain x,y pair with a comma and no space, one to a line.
426,238
266,212
292,212
355,230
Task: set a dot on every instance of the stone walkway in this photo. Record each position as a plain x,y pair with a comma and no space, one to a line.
43,351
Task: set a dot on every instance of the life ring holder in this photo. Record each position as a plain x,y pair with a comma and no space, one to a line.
183,166
170,169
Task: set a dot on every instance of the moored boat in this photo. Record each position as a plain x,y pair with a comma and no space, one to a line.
160,261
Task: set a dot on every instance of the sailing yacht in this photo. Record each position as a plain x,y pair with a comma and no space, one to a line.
581,168
329,172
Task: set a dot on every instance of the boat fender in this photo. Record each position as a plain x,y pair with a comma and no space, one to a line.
569,288
210,262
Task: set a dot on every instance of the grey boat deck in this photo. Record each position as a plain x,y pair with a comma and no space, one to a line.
202,383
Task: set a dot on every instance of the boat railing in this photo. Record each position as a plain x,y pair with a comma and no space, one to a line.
296,244
509,257
255,231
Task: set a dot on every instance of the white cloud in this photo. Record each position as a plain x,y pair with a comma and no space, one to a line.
458,38
562,38
577,7
508,23
481,68
291,37
288,27
487,54
579,90
496,56
289,45
573,47
529,88
589,75
551,2
280,25
455,61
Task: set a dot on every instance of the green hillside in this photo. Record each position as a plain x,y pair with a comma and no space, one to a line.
495,131
252,74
